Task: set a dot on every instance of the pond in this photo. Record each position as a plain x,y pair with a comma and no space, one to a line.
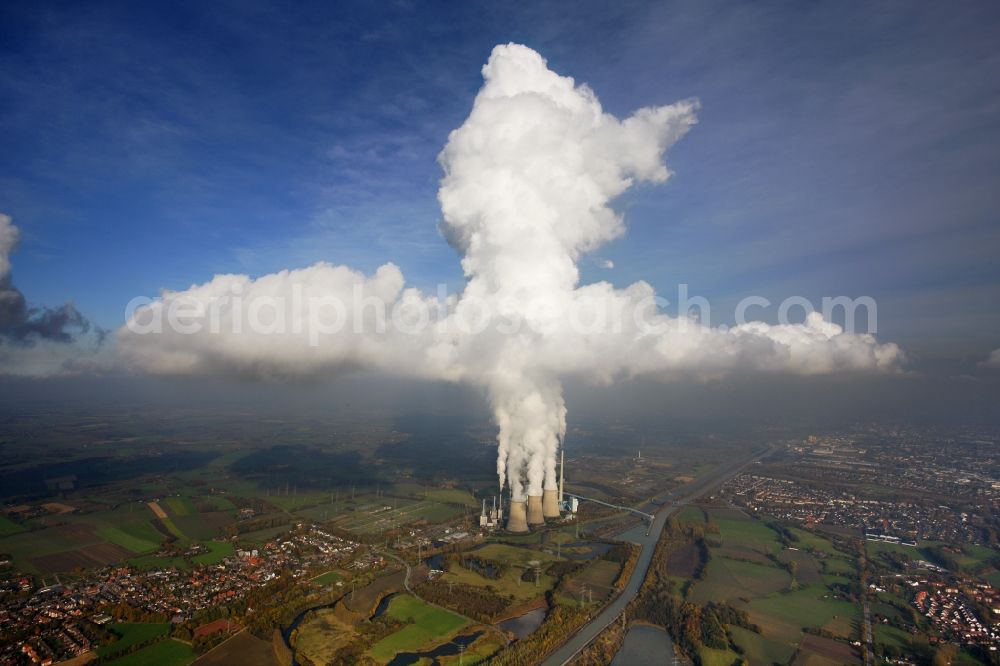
451,648
645,646
383,605
286,633
524,625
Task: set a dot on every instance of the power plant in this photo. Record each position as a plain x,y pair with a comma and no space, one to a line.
535,509
535,516
517,520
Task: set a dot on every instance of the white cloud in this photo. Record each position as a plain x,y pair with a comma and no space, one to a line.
529,178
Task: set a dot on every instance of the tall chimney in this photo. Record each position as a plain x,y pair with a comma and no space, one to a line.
517,521
550,503
562,477
535,515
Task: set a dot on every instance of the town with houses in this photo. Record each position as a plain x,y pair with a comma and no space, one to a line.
59,621
925,512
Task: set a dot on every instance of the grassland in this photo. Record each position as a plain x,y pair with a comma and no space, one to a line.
598,577
691,515
477,653
173,529
264,535
373,517
132,633
783,616
8,527
839,566
217,550
154,562
86,540
426,625
321,635
744,570
729,580
738,530
973,556
451,496
329,578
513,554
509,583
243,649
180,506
165,653
759,649
220,503
128,540
811,540
713,657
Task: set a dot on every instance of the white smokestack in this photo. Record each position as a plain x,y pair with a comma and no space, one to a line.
562,475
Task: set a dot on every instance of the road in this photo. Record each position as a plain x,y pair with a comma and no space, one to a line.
662,507
869,660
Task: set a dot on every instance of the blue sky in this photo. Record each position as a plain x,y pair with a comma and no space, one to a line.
843,148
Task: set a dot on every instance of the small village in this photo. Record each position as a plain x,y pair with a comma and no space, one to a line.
64,620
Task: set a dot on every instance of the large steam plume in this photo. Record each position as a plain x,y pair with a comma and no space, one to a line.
528,181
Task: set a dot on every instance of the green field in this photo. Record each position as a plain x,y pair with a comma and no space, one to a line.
974,556
728,580
123,527
294,501
153,562
329,578
374,516
128,540
898,638
509,583
204,526
783,616
807,540
712,657
165,653
179,506
738,530
217,550
132,633
452,496
221,503
8,527
875,547
761,650
176,531
839,566
512,554
427,625
264,535
691,515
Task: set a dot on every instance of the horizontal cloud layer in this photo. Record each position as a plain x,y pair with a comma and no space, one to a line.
528,182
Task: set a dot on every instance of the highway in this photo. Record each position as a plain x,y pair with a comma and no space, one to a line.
663,507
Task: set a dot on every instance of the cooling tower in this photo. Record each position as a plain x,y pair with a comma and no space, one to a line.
517,521
535,516
550,503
